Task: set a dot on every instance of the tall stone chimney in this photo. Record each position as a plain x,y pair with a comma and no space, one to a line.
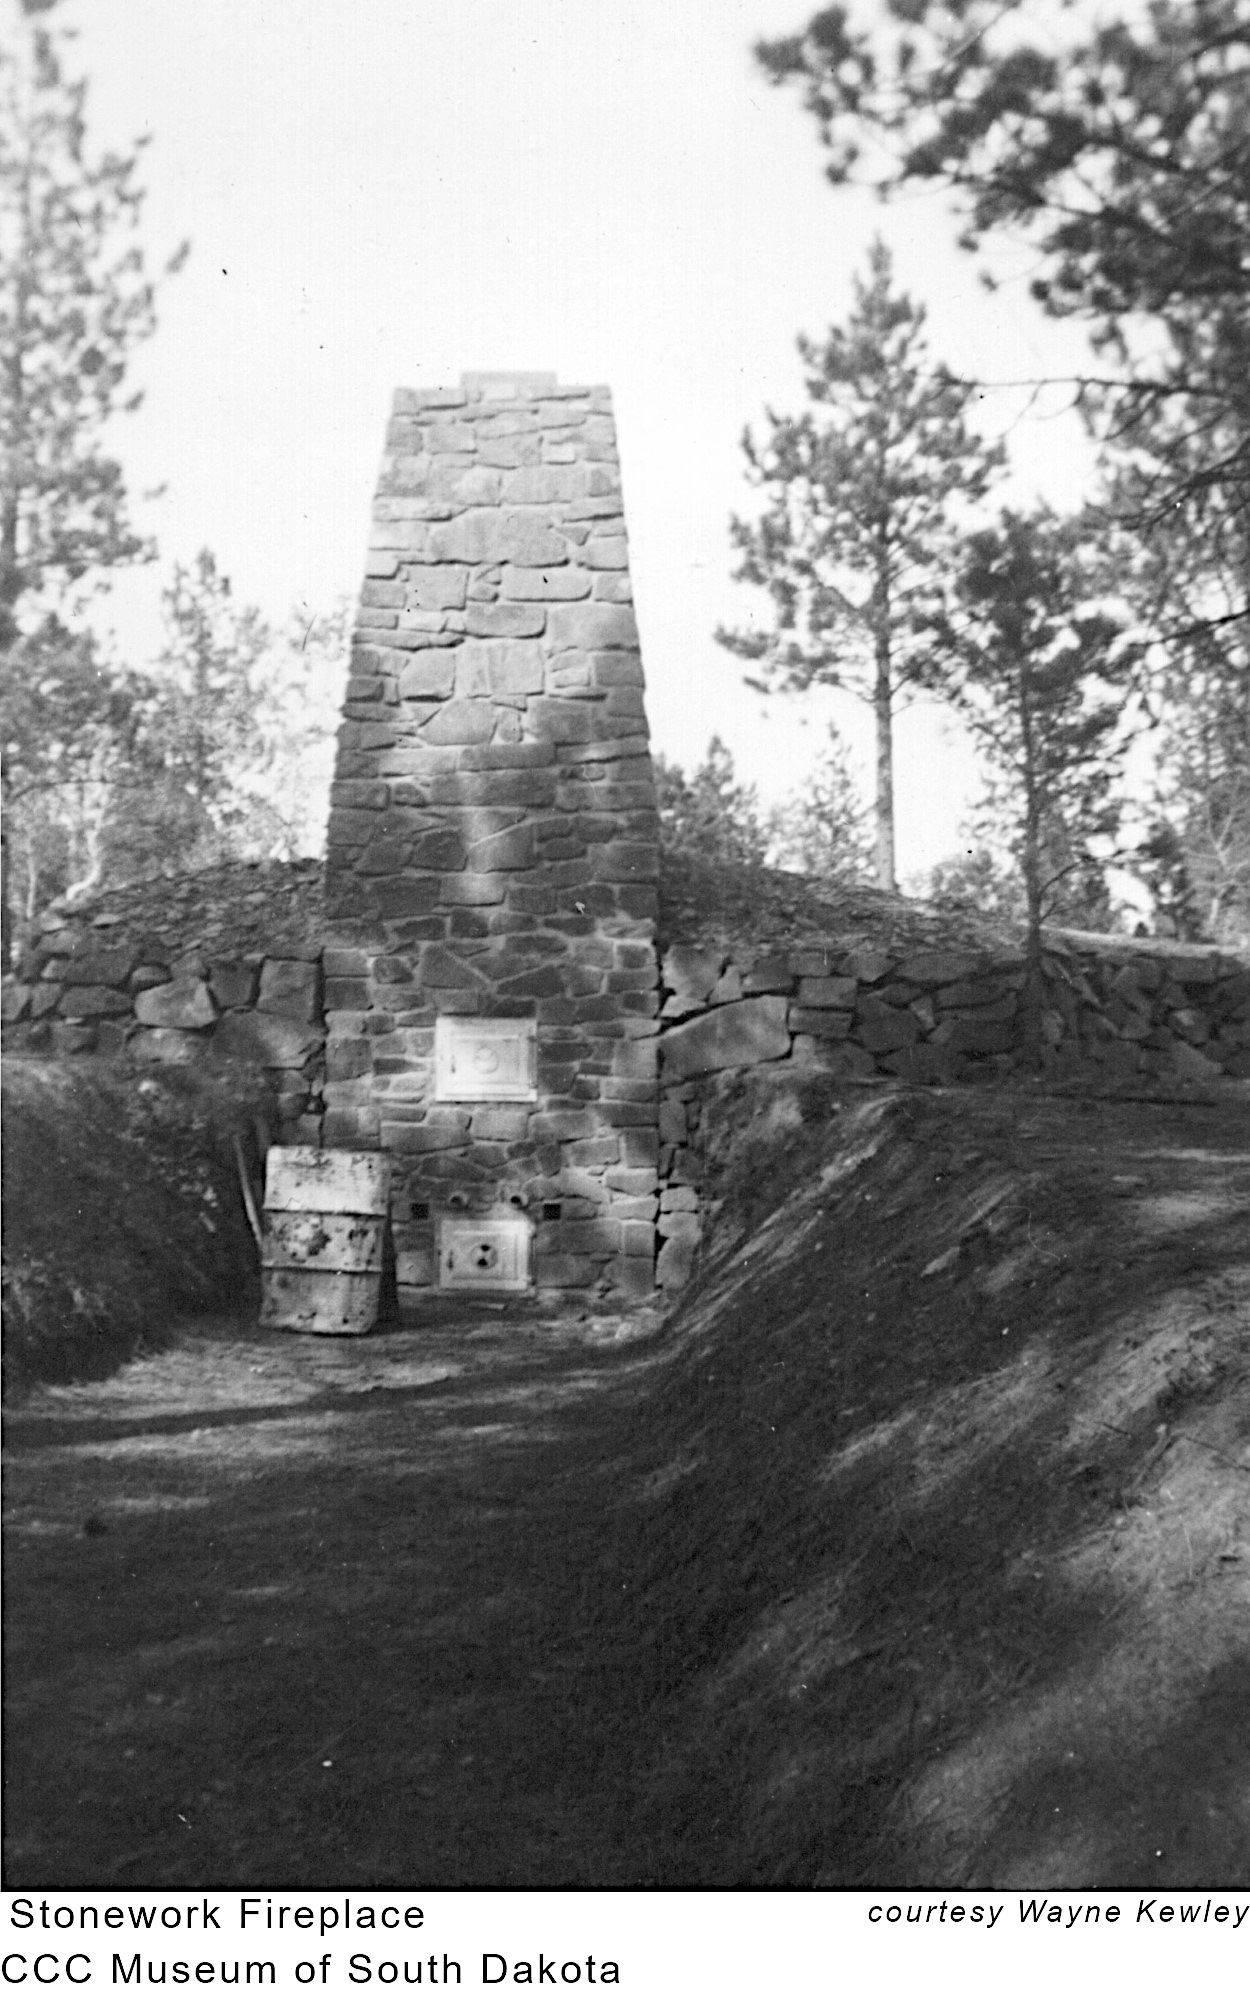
493,851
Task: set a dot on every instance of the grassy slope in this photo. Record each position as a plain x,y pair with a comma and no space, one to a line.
943,1576
120,1210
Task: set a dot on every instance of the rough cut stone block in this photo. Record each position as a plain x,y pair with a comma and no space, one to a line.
438,850
255,1038
562,721
482,538
414,400
233,983
502,386
557,1269
881,1027
405,1138
347,1058
821,1023
606,553
866,965
546,584
540,484
110,966
430,676
752,1032
508,850
460,722
932,967
690,972
513,667
591,626
771,976
441,587
675,1263
833,992
443,438
290,989
14,1002
81,1001
509,452
184,1004
505,618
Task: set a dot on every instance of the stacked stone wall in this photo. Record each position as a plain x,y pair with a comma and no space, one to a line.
493,846
98,987
1140,1016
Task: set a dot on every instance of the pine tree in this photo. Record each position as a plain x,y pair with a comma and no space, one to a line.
202,741
709,814
75,299
864,490
1115,146
822,830
1040,667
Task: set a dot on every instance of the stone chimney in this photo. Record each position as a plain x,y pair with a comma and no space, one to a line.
493,851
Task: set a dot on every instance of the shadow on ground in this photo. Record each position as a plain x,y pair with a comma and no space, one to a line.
915,1553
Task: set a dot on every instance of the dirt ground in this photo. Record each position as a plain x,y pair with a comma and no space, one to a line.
915,1551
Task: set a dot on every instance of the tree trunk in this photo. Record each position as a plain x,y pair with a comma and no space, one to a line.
1033,995
883,716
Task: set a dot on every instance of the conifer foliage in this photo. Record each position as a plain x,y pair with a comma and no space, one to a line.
1040,668
75,300
863,491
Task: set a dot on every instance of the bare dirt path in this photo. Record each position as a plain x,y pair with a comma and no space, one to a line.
917,1554
293,1612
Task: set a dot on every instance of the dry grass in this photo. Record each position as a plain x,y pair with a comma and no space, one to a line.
943,1574
121,1208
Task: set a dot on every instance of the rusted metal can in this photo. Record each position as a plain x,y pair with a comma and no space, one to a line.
327,1261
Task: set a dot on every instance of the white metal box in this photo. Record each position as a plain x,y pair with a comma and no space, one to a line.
327,1179
485,1058
487,1253
326,1259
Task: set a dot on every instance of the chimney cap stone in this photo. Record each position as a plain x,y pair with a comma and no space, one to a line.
504,386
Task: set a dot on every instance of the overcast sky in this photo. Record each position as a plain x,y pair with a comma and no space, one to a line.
387,192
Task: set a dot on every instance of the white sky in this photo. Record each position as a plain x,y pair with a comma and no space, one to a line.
387,192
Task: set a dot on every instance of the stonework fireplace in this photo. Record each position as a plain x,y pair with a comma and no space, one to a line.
493,851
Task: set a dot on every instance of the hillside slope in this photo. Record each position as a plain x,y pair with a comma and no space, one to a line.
944,1570
122,1210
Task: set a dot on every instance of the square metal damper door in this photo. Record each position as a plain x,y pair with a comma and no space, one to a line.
484,1253
485,1058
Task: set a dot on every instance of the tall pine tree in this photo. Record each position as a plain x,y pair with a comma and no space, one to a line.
1040,666
75,299
863,493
